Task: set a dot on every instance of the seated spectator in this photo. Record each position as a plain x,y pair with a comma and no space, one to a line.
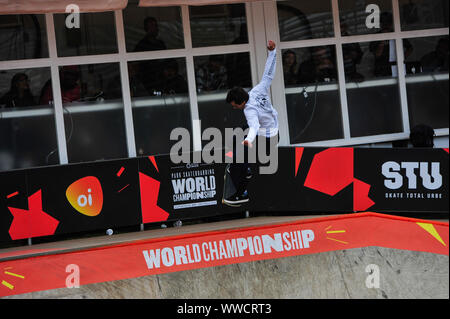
319,68
171,81
352,54
290,67
19,94
422,136
385,56
436,61
148,71
150,42
213,75
137,88
70,86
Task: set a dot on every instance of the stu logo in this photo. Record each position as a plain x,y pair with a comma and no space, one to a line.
86,196
395,174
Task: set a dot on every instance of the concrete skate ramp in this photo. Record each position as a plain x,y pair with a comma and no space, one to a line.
322,257
336,274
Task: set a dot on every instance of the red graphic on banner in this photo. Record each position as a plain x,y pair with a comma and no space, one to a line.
298,158
331,171
120,171
361,200
33,222
151,212
152,159
12,195
446,149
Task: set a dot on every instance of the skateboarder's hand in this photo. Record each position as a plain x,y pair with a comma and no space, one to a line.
271,45
247,143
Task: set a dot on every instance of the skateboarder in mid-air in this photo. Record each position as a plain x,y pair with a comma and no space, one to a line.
262,120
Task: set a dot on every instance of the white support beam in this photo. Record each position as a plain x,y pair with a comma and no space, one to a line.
126,96
57,98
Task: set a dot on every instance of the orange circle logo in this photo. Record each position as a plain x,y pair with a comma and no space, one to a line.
86,196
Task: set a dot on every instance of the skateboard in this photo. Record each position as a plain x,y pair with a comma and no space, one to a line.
229,187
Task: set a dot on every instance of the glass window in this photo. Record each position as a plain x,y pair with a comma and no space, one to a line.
152,28
96,34
160,101
312,95
27,127
215,74
300,20
372,87
423,14
93,111
218,25
427,81
355,20
23,37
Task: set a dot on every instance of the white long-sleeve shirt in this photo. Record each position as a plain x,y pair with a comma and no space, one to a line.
262,118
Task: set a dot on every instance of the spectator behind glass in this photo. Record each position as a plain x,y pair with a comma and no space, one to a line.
171,81
436,61
352,56
70,86
319,68
19,94
150,42
213,75
290,67
384,51
137,88
422,136
238,64
148,71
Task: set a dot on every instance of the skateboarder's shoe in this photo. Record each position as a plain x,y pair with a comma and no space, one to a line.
236,200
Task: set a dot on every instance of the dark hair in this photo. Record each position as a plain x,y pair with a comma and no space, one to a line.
422,136
15,79
238,95
149,19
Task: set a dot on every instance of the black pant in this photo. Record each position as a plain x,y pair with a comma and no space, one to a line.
241,173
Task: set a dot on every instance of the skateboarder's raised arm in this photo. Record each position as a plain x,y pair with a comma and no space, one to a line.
270,68
261,93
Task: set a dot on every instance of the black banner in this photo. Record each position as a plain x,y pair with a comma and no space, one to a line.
110,194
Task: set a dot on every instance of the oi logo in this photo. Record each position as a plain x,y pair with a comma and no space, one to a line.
86,196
